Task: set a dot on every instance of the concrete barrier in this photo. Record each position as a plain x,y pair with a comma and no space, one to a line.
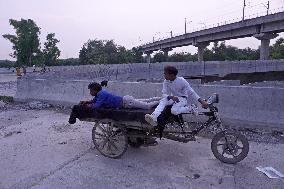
134,72
245,104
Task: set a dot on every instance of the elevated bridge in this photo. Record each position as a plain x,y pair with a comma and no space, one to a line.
263,28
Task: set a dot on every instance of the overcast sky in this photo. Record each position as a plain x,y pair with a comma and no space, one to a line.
128,22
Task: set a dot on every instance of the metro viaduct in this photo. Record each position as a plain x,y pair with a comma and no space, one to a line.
262,28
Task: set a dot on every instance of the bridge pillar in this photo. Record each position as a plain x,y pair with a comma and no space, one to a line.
201,47
166,52
264,47
148,56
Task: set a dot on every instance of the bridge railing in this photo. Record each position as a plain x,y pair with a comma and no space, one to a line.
222,23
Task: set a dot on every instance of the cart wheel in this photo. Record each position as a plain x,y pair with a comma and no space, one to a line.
229,147
109,140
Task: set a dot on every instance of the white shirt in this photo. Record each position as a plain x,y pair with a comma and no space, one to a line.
178,87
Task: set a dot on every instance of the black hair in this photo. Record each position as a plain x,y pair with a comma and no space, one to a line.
171,70
95,86
104,83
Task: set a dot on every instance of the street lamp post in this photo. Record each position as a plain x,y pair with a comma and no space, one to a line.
244,10
267,7
185,23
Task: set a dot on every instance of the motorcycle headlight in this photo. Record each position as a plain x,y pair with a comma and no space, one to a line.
213,99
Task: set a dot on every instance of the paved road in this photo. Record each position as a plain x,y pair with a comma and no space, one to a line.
39,150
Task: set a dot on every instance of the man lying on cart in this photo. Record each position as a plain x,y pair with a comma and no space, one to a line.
104,99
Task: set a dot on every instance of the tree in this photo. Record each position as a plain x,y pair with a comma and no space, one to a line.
124,55
277,50
92,52
26,43
137,54
177,57
182,57
249,54
110,52
218,51
159,57
51,51
221,52
104,52
208,55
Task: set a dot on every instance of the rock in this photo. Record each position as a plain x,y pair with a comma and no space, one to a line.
12,133
2,104
38,105
63,142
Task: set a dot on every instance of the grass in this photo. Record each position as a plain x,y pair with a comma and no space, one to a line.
6,99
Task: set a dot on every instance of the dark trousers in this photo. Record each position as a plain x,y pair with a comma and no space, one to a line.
163,118
81,111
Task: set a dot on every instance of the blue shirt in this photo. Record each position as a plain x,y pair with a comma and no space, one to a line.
104,99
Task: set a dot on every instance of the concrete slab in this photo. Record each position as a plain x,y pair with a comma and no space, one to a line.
271,66
7,77
280,65
261,67
247,66
244,103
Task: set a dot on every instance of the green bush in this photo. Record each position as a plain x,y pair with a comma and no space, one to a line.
6,64
6,99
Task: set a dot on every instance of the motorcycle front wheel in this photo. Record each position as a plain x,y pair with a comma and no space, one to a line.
230,147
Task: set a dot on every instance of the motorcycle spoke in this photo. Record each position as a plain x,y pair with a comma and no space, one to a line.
115,139
100,134
99,138
102,129
239,147
233,154
221,144
108,147
223,152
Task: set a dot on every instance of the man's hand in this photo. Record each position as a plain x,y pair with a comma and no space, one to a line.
88,105
174,98
84,102
203,103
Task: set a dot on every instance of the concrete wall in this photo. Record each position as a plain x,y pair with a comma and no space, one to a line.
136,72
256,105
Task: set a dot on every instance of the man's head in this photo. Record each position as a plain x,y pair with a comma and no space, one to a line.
170,73
94,88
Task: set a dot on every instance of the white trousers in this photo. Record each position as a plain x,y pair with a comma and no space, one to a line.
177,108
131,102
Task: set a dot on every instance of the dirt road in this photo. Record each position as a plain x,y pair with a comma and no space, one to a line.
38,149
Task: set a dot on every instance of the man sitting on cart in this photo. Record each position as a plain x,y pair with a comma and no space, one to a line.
104,99
175,93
